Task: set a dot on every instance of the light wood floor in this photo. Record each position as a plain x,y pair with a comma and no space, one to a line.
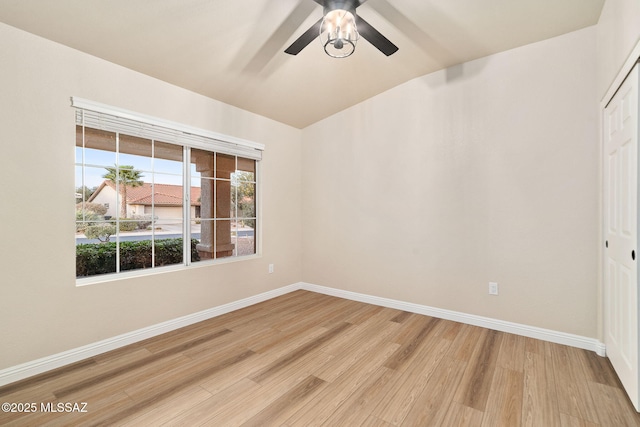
308,359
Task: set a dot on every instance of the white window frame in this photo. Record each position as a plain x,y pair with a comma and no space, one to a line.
135,124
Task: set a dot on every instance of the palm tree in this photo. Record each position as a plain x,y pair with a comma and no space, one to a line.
127,176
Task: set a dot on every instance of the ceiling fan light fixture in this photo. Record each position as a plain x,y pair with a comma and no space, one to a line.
338,33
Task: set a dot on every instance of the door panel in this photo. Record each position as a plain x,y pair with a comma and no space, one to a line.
621,234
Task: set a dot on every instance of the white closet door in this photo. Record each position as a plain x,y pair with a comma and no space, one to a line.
621,233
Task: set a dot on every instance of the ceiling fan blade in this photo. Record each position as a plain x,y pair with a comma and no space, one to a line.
374,37
305,39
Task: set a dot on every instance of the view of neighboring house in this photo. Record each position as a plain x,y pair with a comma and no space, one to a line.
166,200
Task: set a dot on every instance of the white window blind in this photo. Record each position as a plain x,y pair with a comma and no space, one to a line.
104,117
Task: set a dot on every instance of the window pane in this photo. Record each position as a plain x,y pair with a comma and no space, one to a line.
95,259
244,199
202,163
123,186
202,231
135,152
245,238
225,166
167,158
223,204
94,176
224,243
95,250
99,147
168,249
165,200
246,170
82,192
202,198
135,254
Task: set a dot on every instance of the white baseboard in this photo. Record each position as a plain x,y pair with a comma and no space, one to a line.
471,319
26,370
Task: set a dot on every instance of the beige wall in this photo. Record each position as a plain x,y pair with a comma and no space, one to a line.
42,312
487,171
618,33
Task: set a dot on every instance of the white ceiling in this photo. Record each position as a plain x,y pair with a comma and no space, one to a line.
232,50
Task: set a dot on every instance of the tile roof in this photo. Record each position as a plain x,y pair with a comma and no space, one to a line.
161,194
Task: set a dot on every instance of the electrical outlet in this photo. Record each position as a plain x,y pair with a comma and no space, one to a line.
270,268
493,288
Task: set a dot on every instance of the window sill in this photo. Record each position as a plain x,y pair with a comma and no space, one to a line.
114,277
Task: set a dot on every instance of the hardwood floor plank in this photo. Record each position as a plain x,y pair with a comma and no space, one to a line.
597,369
335,394
460,415
300,352
512,351
452,330
533,345
64,371
506,395
158,413
431,406
410,383
465,342
371,328
408,349
305,359
360,348
260,362
572,389
476,382
540,404
372,421
168,392
612,405
342,314
571,421
401,317
367,311
122,370
256,399
316,315
411,327
361,404
92,390
287,404
203,411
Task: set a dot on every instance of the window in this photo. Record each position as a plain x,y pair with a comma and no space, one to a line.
151,194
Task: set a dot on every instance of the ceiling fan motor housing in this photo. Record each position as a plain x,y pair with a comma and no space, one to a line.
348,5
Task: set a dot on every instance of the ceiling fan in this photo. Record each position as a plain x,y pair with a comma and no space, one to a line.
341,27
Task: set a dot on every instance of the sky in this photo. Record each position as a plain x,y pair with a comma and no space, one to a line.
159,171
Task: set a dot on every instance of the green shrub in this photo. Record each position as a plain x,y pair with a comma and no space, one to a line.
128,226
90,218
101,232
100,258
144,221
97,208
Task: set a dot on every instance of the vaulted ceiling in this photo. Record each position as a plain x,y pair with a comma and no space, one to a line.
233,50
